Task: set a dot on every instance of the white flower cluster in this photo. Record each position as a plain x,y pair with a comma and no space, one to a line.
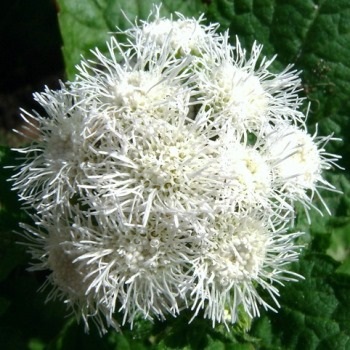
165,177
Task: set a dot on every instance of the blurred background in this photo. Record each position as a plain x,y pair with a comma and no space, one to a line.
30,59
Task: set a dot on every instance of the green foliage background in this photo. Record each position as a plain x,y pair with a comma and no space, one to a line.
315,312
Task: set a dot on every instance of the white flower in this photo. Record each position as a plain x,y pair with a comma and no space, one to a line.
146,167
248,177
55,244
238,92
52,168
184,36
100,268
143,271
241,90
144,82
243,254
298,160
166,175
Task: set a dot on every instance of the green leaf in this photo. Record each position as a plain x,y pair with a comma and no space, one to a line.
86,25
314,313
36,344
340,241
11,254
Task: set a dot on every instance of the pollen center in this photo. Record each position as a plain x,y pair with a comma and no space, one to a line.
241,254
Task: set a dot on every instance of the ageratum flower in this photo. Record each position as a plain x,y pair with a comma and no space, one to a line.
184,36
53,167
298,161
165,178
242,90
246,253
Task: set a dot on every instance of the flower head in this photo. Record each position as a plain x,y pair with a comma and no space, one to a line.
243,254
52,169
298,160
184,36
165,177
247,174
242,91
